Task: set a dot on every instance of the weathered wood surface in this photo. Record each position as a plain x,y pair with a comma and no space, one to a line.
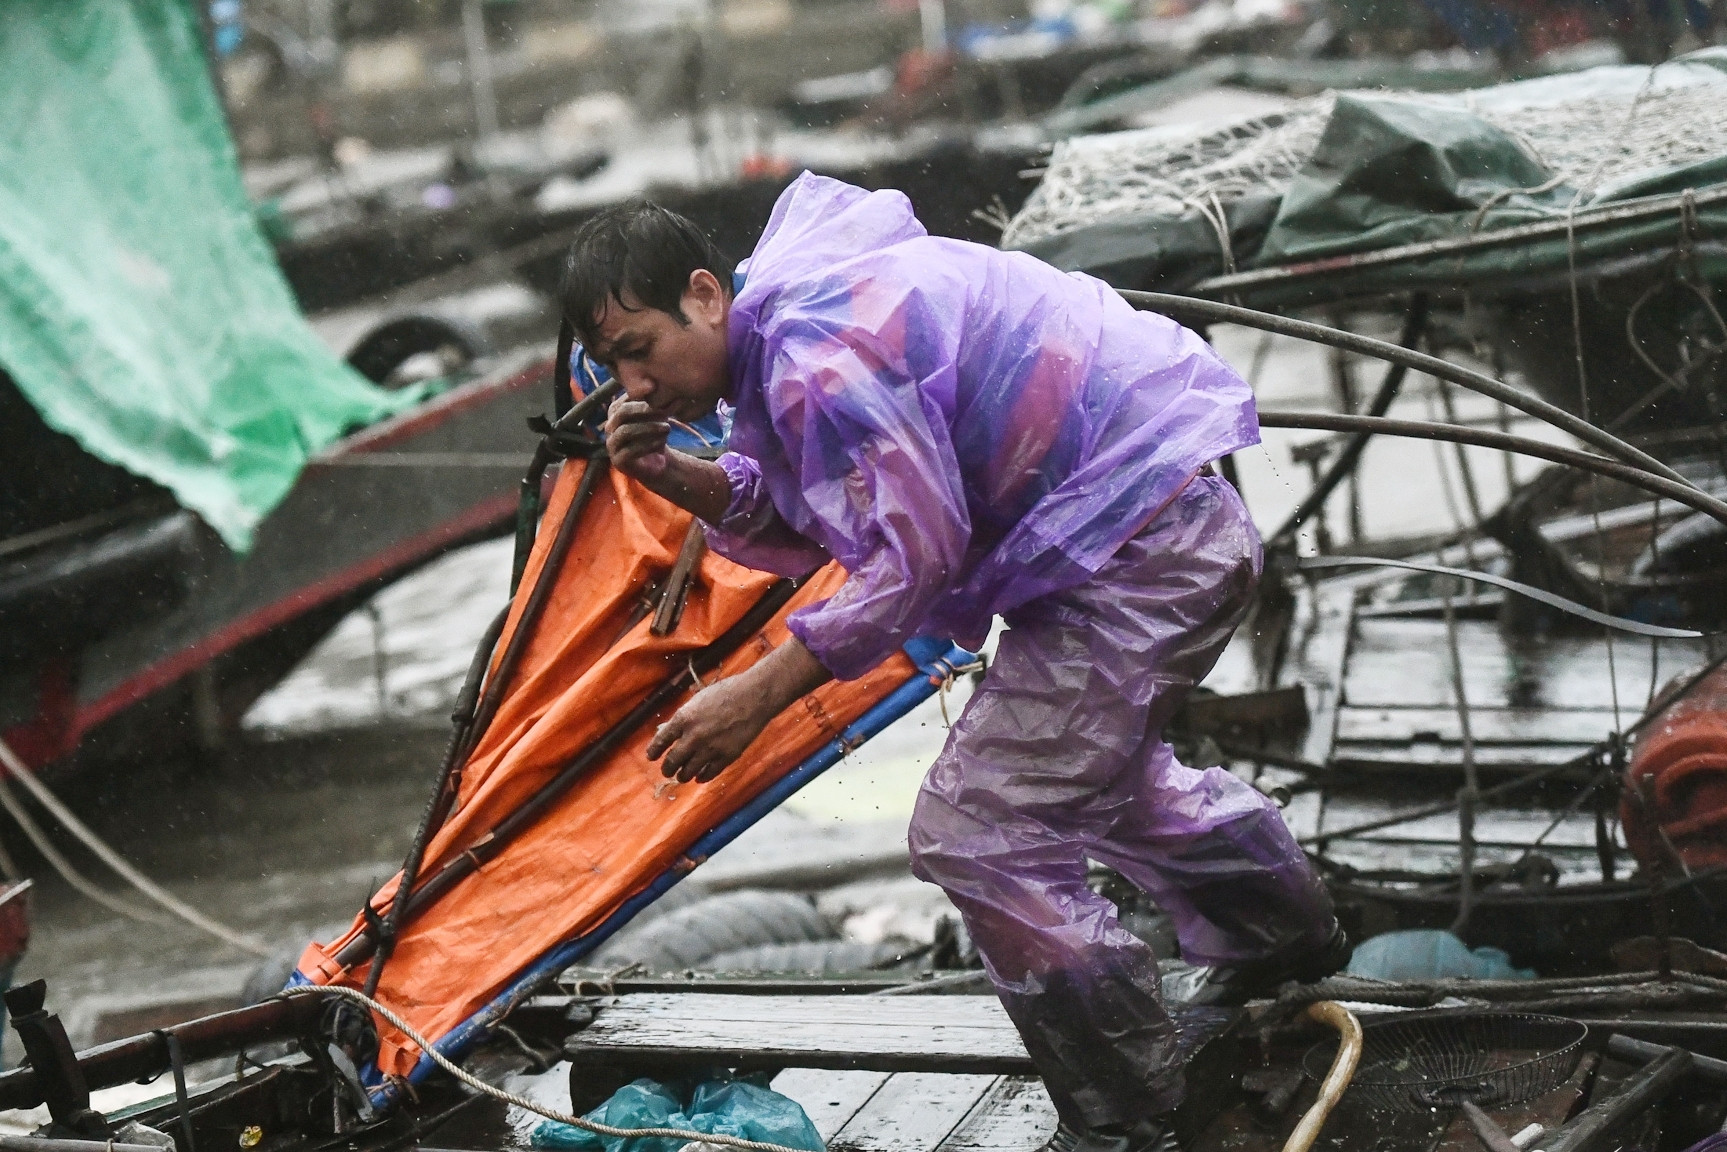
1431,761
829,1097
1317,657
599,981
1380,742
1013,1116
912,1112
886,1033
921,1111
1487,725
959,1034
1404,662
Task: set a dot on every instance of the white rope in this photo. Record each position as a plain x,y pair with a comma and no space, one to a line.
80,882
523,1102
20,772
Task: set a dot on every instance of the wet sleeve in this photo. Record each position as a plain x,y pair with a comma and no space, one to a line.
752,533
878,470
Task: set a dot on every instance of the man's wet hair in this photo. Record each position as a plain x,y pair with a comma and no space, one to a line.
639,250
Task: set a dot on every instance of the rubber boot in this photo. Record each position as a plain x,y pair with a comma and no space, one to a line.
1152,1134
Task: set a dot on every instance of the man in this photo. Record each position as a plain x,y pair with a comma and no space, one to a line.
971,433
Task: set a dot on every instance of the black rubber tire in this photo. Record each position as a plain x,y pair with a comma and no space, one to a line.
812,958
724,923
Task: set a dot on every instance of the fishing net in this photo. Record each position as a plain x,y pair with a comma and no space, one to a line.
1591,131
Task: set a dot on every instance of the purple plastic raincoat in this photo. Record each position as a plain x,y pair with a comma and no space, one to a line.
963,429
971,433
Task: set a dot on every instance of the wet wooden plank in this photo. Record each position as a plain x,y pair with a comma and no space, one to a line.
912,1112
1015,1115
592,981
1319,644
968,1034
1405,662
958,1034
1487,725
829,1098
1494,761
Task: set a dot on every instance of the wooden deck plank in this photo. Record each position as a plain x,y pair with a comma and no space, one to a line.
1319,645
1015,1115
1494,762
912,1112
1487,725
955,1034
828,1097
962,1034
1405,662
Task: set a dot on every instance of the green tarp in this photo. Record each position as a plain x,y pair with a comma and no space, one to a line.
1393,170
141,311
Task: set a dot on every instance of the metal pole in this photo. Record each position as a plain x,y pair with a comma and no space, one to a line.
1470,794
480,69
1343,385
1466,475
1685,494
933,15
1414,323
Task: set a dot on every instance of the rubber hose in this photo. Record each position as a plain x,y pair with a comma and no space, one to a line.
1336,1080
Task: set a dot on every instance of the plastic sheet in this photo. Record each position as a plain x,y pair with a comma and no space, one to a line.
723,1107
963,429
1431,954
1059,757
1383,169
141,311
591,658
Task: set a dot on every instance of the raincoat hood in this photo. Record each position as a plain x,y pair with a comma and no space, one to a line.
819,222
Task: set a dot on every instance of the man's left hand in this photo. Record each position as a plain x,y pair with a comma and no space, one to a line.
711,731
722,720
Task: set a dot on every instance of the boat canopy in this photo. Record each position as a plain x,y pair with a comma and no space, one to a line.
141,310
1377,191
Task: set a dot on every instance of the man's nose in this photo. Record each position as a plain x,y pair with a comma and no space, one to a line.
637,384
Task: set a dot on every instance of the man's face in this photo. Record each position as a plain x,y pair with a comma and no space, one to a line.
679,369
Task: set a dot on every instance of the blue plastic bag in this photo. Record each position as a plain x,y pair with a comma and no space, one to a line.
726,1107
1430,954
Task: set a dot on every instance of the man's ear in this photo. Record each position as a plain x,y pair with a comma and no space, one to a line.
704,297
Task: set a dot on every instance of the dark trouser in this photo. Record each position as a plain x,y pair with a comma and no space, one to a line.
1059,757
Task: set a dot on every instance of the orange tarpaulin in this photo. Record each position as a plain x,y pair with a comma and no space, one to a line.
623,824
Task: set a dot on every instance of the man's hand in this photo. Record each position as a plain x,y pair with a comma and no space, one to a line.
636,440
711,731
722,720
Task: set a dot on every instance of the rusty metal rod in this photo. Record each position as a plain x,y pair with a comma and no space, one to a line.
1184,309
1414,324
141,1057
489,844
443,794
536,604
1595,1126
1636,1051
1653,482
